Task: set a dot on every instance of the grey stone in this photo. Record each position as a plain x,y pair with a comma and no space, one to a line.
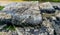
46,7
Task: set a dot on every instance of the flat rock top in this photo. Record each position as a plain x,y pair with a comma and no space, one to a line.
46,5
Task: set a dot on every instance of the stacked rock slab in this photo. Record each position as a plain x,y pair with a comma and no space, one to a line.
46,7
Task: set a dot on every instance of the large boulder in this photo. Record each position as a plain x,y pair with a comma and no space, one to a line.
26,12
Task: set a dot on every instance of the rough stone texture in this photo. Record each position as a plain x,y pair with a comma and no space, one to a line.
27,12
46,5
31,14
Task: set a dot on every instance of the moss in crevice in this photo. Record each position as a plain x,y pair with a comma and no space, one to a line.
1,7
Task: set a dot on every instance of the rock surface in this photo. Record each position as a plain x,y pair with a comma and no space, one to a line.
23,13
49,24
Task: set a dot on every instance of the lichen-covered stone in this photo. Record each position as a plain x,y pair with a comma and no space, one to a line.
29,13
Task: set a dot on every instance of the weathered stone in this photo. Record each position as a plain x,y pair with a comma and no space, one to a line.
4,15
26,12
58,15
29,16
46,7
